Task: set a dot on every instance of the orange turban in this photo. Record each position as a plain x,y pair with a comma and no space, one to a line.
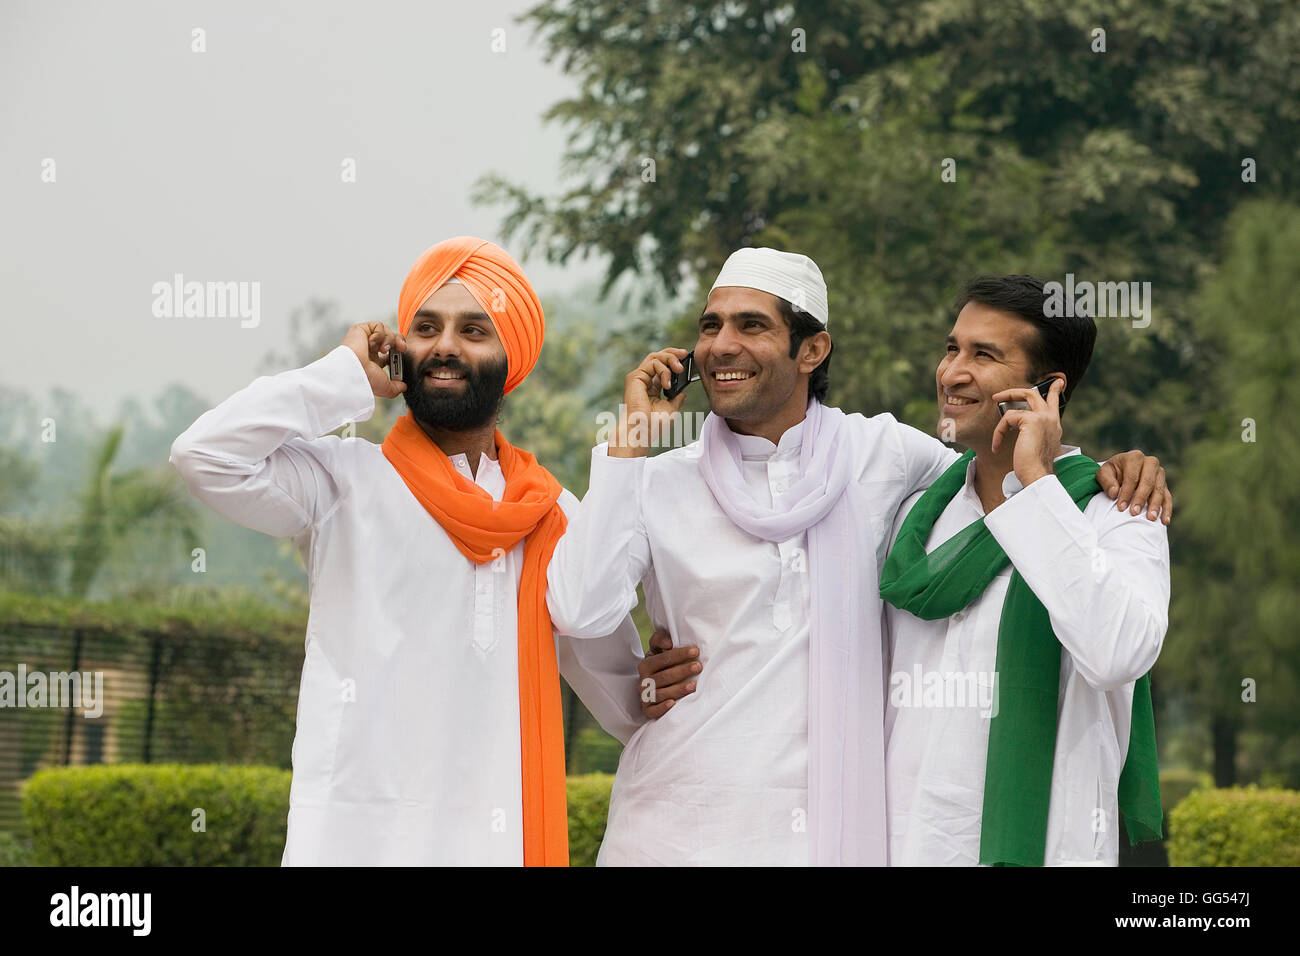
496,282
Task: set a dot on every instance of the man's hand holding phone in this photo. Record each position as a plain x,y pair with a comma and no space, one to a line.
644,407
1038,427
379,349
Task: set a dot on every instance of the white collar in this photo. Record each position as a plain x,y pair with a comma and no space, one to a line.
757,447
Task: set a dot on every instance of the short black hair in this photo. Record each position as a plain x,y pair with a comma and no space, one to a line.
803,326
1061,344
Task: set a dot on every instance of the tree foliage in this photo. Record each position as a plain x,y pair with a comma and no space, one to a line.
1108,140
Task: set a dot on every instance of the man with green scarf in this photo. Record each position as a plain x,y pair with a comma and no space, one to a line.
1023,615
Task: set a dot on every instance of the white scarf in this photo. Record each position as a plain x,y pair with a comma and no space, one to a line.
846,718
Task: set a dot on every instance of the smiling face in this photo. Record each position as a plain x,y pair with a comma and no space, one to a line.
986,352
455,366
743,354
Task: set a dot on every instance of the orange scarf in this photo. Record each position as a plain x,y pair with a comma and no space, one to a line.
484,530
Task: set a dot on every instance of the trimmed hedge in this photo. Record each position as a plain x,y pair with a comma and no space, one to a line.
227,617
588,809
1238,826
143,815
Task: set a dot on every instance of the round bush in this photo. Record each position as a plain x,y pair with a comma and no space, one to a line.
1238,826
157,815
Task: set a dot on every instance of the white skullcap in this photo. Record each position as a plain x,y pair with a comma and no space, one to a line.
791,276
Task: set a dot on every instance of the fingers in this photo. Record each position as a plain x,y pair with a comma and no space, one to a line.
658,367
1161,501
666,660
660,640
1108,478
655,711
1142,484
667,676
661,374
1009,421
381,340
1017,395
658,693
667,699
675,675
1130,472
1054,395
1146,484
394,341
674,691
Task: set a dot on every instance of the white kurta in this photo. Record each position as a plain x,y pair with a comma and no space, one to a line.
407,747
1103,576
722,778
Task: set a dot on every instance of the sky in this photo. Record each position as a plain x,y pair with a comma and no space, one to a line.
227,165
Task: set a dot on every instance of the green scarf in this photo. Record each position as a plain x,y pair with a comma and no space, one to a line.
1022,736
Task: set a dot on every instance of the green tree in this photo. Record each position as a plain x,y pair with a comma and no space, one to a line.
29,546
826,128
1238,605
118,506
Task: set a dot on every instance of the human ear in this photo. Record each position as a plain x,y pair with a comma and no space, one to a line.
813,351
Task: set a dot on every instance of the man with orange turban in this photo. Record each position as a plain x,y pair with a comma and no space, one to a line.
429,724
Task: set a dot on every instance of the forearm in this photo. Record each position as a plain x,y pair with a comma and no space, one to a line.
595,569
238,457
1107,593
603,673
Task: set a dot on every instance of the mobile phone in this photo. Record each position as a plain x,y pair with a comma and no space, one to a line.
394,364
680,380
1043,387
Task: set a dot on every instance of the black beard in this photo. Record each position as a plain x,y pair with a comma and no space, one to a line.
472,407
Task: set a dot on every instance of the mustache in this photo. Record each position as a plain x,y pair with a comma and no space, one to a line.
455,365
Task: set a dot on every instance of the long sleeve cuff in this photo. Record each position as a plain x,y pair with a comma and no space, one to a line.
1035,524
346,395
607,470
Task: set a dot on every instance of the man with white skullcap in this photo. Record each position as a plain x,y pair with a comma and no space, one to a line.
761,544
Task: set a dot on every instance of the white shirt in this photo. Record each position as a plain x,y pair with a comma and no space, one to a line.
407,747
1103,576
722,778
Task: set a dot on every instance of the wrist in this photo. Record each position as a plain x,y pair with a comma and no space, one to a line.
630,439
1035,471
618,449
